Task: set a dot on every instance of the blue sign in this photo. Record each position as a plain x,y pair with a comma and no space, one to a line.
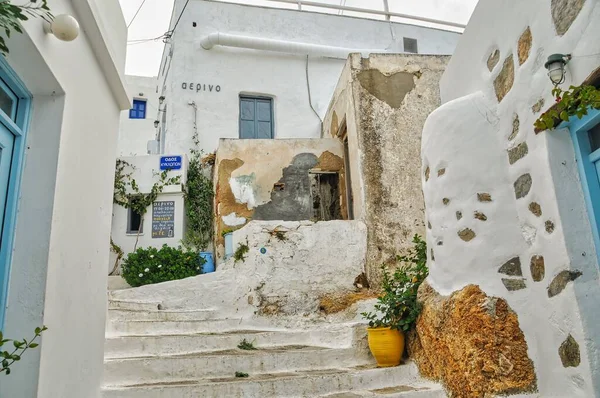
170,162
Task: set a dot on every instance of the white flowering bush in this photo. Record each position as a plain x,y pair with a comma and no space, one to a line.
150,265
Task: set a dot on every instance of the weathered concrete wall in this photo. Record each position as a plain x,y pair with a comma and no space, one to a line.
269,180
508,214
383,102
287,268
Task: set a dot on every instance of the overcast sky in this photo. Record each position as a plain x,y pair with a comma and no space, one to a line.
153,20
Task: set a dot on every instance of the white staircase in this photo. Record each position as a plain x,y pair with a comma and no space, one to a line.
152,353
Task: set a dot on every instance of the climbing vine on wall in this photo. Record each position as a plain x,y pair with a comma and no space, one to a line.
199,200
12,15
127,194
573,102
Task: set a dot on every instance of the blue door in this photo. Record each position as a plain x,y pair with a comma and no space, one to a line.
14,116
585,134
256,118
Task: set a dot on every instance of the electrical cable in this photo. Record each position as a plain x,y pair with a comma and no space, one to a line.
310,97
136,13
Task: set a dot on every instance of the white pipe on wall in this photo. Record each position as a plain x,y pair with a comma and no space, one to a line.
259,43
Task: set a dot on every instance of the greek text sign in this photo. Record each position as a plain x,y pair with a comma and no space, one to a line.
170,162
201,87
163,219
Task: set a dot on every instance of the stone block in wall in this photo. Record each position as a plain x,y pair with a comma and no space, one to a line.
505,79
564,13
472,343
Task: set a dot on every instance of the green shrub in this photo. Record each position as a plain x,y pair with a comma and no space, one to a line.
398,307
150,265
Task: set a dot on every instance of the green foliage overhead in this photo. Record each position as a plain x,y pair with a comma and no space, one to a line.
12,15
398,307
574,102
19,347
150,265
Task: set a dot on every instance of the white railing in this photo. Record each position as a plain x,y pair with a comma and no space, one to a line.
385,12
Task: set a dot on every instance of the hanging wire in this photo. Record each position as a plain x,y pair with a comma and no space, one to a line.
165,36
136,13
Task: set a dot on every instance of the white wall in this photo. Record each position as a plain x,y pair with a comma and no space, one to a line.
60,252
469,137
144,173
278,75
134,134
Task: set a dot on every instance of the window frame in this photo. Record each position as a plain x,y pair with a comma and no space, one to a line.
134,111
129,230
255,98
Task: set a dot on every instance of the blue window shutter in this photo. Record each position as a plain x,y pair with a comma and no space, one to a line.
256,118
138,111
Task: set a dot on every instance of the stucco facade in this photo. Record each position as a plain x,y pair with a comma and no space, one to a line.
58,265
145,171
134,134
213,79
378,109
504,205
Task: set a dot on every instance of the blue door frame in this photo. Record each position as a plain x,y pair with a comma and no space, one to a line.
588,173
17,124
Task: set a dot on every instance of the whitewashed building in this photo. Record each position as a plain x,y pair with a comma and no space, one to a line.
222,61
513,209
60,103
233,71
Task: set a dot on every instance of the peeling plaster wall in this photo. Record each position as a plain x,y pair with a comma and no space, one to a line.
507,214
383,101
269,179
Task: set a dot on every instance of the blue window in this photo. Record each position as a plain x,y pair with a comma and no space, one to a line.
256,117
139,109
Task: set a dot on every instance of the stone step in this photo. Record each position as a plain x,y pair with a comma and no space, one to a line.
156,315
179,344
133,305
416,390
177,368
145,328
312,383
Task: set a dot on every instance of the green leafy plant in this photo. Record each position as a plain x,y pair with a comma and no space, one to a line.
119,252
240,252
20,346
574,102
226,231
127,192
280,235
246,345
12,15
397,307
241,374
198,200
151,265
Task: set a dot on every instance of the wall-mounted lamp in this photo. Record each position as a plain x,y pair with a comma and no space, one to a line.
556,67
156,123
64,27
161,99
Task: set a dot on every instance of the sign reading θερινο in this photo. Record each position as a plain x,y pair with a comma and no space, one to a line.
163,219
170,162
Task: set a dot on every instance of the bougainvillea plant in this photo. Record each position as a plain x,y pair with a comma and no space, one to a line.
576,101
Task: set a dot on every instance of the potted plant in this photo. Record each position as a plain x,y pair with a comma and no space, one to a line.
397,308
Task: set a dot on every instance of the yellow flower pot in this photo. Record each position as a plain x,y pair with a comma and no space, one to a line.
386,345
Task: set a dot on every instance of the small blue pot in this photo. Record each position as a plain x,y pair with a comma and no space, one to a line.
209,264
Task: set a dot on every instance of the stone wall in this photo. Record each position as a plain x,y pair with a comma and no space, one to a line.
380,106
269,180
504,206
